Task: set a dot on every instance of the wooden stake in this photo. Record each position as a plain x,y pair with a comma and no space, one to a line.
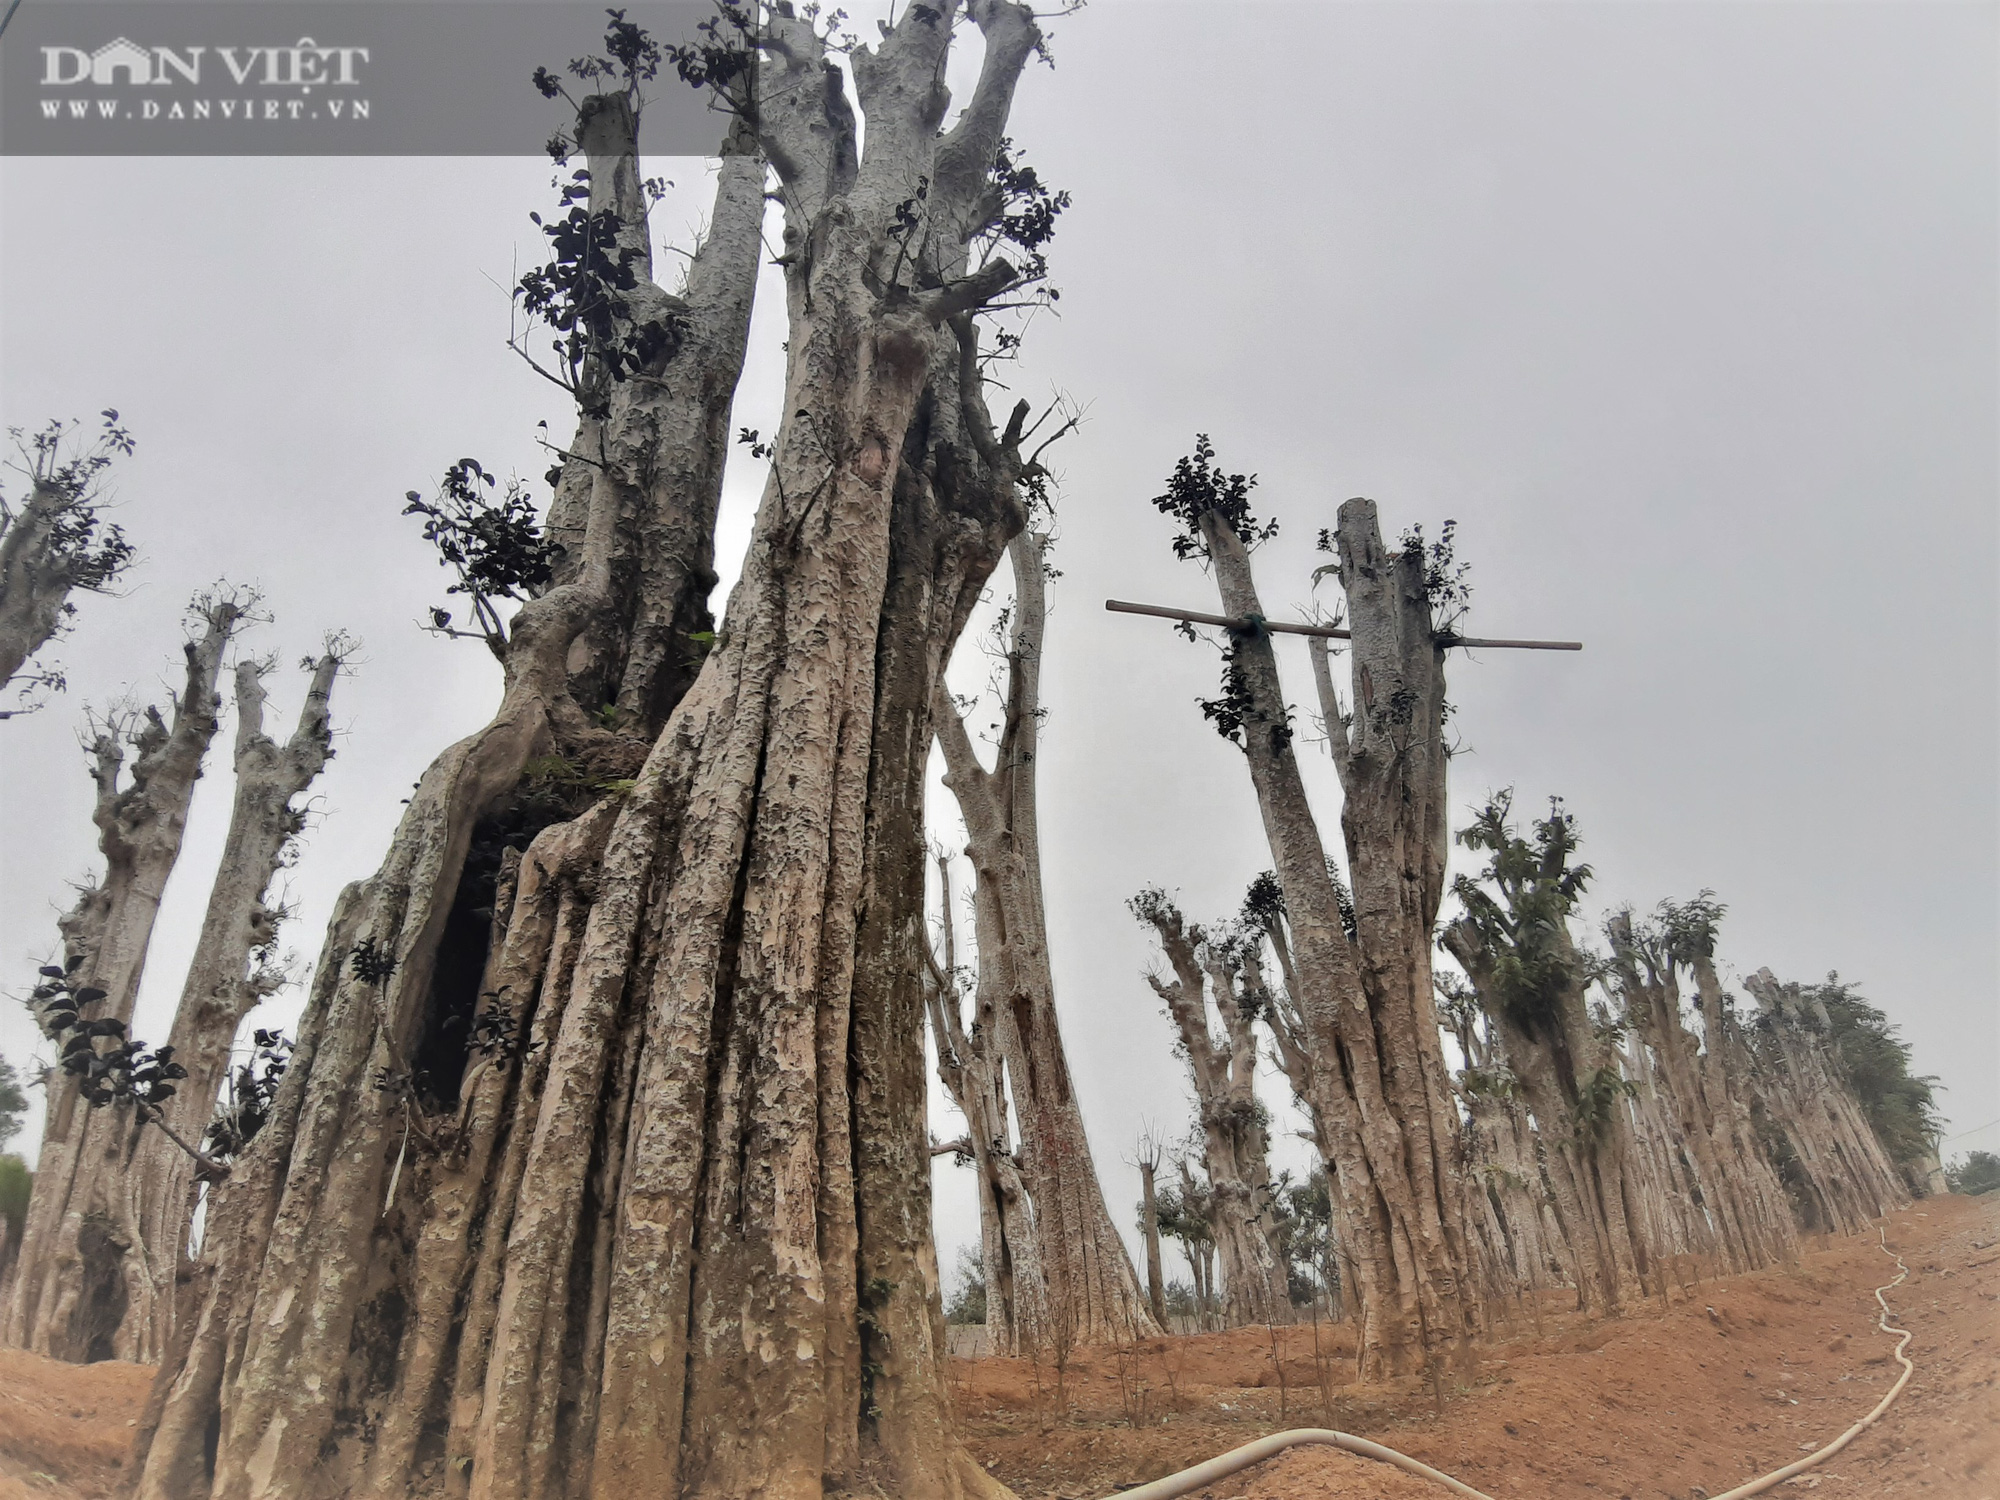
1333,632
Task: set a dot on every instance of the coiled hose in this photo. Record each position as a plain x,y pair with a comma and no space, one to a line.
1201,1475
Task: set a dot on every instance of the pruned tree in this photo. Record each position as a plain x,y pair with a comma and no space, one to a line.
55,542
973,1065
1148,1158
1842,1173
84,1259
1708,1096
1514,943
1382,1102
1309,1240
1208,970
1091,1282
1185,1214
234,968
671,1229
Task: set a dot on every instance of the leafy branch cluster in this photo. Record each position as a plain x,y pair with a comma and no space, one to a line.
496,1030
66,482
1523,935
253,1085
1236,709
1445,577
1899,1105
495,544
1263,906
1020,211
1199,486
583,294
109,1066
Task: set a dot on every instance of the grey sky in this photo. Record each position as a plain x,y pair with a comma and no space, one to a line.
1685,312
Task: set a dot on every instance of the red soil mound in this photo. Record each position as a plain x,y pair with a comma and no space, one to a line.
1662,1404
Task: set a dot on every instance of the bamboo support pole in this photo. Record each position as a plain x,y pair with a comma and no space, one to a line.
1333,632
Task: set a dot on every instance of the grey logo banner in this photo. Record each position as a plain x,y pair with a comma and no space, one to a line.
321,77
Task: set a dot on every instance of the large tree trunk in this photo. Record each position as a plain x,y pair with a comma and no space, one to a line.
87,1283
1572,1081
1680,1227
229,973
1378,1091
1752,1221
1509,1206
1234,1135
1846,1176
684,1244
1091,1283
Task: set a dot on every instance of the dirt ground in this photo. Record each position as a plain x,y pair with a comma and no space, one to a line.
1732,1379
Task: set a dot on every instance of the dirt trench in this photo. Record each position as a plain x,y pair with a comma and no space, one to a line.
1734,1378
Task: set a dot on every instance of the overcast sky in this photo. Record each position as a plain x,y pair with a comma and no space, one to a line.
1685,312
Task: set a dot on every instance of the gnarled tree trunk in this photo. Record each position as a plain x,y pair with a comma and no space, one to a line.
1091,1284
1672,1192
1235,1138
229,974
1746,1205
1510,1205
683,1244
87,1281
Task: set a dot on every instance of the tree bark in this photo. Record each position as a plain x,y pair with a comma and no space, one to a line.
647,456
1091,1283
684,1243
1661,1157
87,1280
1381,1102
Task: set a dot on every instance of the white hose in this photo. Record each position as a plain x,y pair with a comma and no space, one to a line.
1779,1476
1204,1474
1255,1453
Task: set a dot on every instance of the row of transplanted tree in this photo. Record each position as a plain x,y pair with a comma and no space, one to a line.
131,1131
1599,1131
1613,1114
